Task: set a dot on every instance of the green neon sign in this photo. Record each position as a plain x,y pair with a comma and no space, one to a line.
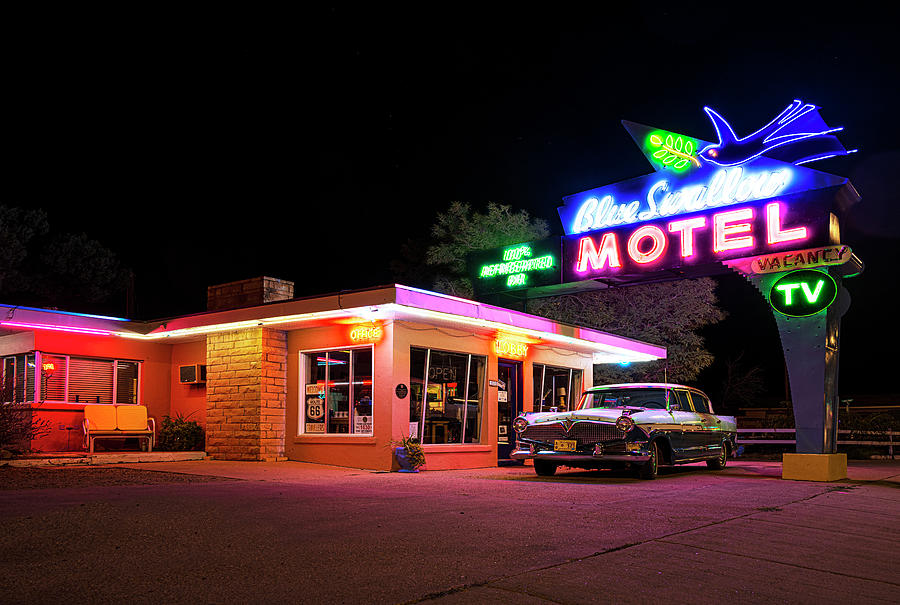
672,150
525,265
803,293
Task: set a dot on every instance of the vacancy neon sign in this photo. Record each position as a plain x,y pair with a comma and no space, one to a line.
695,239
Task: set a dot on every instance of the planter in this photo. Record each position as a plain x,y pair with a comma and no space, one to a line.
403,460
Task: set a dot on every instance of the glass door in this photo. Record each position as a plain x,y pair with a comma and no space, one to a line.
509,405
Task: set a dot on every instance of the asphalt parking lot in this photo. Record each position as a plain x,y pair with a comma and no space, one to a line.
230,532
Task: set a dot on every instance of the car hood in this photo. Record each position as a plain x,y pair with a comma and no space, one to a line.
597,414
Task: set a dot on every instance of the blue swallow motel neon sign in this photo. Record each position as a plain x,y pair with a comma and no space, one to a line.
705,201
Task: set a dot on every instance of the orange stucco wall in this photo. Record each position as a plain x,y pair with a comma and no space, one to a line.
390,413
189,400
66,418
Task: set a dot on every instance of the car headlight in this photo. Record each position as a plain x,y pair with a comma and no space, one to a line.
624,423
519,424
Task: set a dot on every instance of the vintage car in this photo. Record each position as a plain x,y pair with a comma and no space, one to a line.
640,426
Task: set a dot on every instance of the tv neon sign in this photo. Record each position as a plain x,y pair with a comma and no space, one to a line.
803,293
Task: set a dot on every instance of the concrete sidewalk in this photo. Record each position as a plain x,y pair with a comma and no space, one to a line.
308,533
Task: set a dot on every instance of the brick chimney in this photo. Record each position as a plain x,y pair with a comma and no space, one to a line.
248,293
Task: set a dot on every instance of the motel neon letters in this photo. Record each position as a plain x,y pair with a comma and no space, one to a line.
729,233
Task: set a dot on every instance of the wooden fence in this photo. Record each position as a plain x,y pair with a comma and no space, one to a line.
781,441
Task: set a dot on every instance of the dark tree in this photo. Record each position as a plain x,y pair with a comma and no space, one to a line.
670,314
41,267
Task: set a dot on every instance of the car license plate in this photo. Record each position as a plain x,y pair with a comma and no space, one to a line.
564,445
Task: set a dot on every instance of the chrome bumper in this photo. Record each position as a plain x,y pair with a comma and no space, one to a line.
580,458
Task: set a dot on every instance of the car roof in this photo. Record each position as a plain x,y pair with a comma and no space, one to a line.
659,385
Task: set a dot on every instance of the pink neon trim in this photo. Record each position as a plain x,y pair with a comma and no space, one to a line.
15,324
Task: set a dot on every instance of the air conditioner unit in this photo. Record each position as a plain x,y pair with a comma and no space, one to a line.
192,374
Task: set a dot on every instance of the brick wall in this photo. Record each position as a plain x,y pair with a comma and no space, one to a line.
248,293
246,393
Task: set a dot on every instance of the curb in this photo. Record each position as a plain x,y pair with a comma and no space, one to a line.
100,459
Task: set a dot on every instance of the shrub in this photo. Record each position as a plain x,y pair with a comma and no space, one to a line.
179,435
18,426
414,452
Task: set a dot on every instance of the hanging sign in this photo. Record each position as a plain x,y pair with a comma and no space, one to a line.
803,293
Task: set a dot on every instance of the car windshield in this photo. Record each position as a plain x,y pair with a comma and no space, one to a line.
638,397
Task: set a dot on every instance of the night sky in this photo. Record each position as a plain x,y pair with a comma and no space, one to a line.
206,148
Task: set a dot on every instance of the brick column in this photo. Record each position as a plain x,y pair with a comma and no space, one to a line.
246,393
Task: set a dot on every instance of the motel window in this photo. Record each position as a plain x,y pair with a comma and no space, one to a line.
67,379
338,391
446,396
556,389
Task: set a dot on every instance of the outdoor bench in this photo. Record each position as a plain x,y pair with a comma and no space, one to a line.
117,421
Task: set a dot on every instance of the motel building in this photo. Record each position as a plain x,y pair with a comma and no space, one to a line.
330,379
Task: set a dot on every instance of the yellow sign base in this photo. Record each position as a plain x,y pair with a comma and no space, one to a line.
814,467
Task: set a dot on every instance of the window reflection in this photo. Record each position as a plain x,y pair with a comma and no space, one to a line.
450,385
556,389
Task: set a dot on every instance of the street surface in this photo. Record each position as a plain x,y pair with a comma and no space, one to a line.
241,532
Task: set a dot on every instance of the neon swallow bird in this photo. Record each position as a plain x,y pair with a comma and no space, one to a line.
797,135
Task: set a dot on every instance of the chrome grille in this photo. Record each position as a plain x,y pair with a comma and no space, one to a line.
585,433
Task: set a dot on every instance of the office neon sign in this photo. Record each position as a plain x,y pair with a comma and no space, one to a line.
803,293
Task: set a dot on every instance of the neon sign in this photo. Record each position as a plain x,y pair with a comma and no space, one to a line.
366,333
510,348
672,150
733,171
796,259
798,134
803,293
694,240
514,267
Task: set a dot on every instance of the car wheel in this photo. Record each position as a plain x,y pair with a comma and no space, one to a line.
719,463
544,468
650,468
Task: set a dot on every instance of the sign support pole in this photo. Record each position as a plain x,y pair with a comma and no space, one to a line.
811,348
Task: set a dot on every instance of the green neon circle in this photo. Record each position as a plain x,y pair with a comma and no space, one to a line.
803,293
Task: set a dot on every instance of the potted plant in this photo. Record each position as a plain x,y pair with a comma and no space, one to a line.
409,453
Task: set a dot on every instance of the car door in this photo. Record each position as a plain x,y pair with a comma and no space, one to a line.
689,442
710,425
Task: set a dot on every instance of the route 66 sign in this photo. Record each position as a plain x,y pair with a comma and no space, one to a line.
315,408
